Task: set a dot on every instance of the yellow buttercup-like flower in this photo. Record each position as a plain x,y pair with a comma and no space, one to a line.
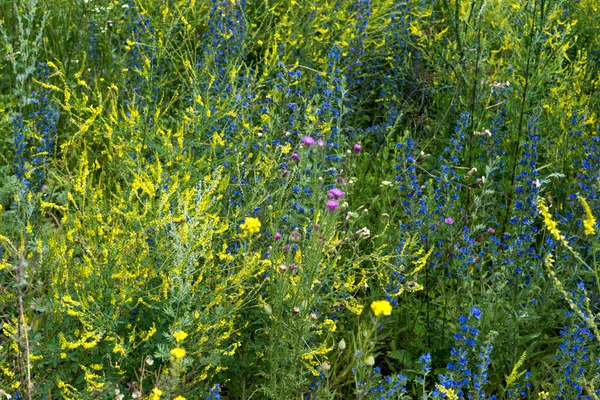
381,307
179,336
178,352
156,393
251,225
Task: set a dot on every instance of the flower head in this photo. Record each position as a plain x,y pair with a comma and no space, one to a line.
179,336
357,148
332,205
476,312
449,221
381,307
336,193
308,140
156,393
295,157
251,225
178,352
589,222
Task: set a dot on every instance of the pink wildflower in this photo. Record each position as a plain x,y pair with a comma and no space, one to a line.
332,205
308,140
336,193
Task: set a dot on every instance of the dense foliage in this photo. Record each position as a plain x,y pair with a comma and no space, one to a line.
293,199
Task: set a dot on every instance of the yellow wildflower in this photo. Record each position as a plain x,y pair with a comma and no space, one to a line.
156,393
251,225
448,392
551,225
548,221
178,352
589,222
179,398
516,374
381,307
179,336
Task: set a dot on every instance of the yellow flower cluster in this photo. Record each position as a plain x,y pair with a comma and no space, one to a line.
448,392
178,352
381,307
551,224
516,374
179,336
251,225
589,223
156,393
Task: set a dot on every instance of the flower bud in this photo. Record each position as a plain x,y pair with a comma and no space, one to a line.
342,344
267,309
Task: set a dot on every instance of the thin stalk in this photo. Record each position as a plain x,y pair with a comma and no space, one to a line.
22,325
520,130
472,115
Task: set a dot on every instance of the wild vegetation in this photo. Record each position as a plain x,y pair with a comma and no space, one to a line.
293,199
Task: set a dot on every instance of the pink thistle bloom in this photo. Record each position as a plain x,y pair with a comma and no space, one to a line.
336,193
449,221
278,236
357,148
491,230
332,205
309,141
321,142
295,157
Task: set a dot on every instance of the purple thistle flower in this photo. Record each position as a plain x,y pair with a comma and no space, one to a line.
321,142
357,148
295,157
449,221
309,141
336,193
278,236
332,205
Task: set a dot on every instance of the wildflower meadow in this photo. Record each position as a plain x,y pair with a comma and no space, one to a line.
298,199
